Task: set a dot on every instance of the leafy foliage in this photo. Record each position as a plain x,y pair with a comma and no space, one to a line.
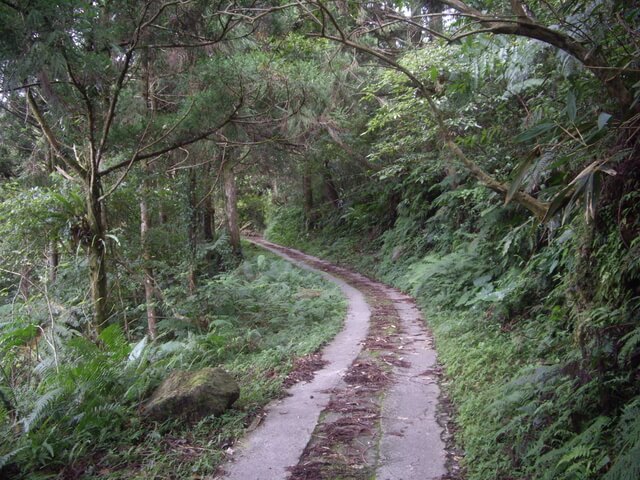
82,399
135,134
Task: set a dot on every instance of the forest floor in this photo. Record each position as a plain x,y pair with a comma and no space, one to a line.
368,406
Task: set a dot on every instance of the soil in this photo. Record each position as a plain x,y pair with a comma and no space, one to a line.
367,406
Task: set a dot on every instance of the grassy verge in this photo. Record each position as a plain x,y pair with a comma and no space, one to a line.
253,322
545,387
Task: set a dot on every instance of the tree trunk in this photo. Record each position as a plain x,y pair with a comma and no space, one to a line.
330,189
24,286
145,220
147,270
275,190
208,208
52,253
97,255
231,208
435,23
208,219
193,229
53,260
163,218
307,194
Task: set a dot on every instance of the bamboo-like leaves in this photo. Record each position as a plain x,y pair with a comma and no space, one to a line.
534,132
559,201
519,174
587,183
572,109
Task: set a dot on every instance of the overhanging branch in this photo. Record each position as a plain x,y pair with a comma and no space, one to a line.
525,26
174,146
56,146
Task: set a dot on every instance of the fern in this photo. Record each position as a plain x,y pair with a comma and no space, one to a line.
5,459
41,408
630,347
626,466
579,457
627,463
576,455
115,341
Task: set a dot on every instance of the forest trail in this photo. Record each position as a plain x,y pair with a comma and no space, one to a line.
369,412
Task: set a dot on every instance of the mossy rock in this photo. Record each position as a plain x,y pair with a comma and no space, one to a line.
193,395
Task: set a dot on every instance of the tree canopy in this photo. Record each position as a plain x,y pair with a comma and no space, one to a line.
486,150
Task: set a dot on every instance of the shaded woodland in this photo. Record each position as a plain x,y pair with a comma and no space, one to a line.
481,155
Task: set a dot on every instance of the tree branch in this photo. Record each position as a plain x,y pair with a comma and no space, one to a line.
421,27
532,204
108,121
174,146
538,208
27,86
526,27
51,138
89,106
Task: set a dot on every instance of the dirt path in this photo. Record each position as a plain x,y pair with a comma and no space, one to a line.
369,412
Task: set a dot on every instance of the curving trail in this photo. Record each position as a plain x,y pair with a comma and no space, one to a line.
369,412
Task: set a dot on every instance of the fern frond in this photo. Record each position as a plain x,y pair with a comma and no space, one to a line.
631,344
39,410
115,341
626,466
578,452
4,459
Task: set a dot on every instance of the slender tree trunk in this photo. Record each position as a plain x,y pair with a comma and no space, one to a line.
208,208
52,253
24,287
231,208
435,7
330,189
307,194
193,228
414,33
145,220
208,219
53,260
163,218
96,218
147,270
275,190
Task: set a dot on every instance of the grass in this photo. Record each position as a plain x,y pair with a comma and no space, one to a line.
254,322
538,395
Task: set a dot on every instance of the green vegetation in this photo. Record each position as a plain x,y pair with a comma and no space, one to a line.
479,154
535,314
545,387
73,402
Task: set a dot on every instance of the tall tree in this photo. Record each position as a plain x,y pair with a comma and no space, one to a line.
330,21
231,206
74,62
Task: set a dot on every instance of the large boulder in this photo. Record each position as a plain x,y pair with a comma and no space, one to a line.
193,395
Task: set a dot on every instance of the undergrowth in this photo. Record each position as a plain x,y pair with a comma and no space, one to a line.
72,405
541,355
